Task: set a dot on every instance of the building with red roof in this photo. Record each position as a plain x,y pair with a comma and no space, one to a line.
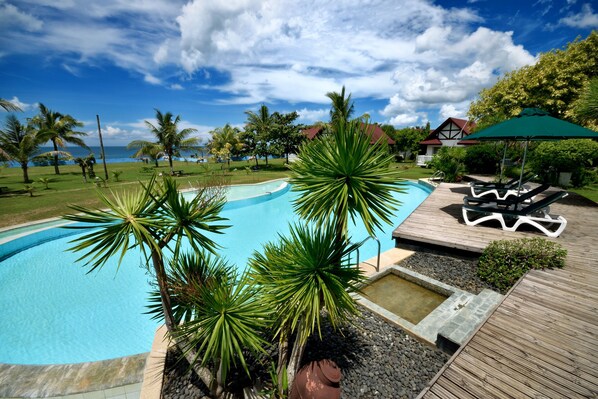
374,131
451,133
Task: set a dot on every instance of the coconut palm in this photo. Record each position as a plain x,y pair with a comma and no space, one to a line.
300,276
19,142
168,137
225,142
342,176
260,126
153,151
342,108
9,106
58,128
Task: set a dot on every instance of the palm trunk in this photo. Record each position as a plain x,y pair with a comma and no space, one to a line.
296,355
56,171
25,172
283,358
256,164
163,287
170,163
266,160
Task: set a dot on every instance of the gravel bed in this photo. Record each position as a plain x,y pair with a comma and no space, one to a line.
457,271
377,358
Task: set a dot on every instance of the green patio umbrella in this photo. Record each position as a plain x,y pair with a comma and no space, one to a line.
533,124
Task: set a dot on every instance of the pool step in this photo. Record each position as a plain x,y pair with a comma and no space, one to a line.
387,258
457,330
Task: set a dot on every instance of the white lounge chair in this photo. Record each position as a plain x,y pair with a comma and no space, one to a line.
501,191
535,214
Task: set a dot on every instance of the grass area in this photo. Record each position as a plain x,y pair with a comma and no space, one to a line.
590,192
69,187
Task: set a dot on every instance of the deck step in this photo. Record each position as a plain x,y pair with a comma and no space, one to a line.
457,330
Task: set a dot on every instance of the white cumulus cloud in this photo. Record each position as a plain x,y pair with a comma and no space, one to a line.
586,18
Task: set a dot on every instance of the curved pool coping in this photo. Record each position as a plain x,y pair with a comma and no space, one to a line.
41,381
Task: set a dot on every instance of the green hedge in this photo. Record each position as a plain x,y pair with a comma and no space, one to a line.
503,262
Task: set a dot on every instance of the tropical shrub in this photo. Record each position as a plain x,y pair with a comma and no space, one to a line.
576,156
483,158
503,262
450,160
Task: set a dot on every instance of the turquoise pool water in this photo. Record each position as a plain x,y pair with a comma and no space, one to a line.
53,312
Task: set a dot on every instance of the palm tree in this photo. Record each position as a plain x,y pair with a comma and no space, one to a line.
168,136
342,175
19,142
225,142
155,219
158,220
9,106
228,317
342,108
146,149
260,124
57,128
300,276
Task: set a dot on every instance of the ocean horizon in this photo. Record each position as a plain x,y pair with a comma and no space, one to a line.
114,154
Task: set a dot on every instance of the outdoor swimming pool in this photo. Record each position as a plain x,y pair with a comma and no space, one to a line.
53,312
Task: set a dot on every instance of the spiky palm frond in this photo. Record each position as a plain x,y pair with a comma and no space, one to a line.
342,176
587,107
186,277
303,273
228,323
9,105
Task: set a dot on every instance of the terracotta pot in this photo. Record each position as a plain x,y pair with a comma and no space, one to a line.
317,380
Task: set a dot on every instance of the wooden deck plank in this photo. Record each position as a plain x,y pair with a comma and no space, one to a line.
516,361
542,340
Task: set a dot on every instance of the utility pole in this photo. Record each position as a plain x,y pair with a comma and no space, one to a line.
102,154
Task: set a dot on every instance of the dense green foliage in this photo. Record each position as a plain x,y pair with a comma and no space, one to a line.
553,84
483,158
577,156
503,262
450,161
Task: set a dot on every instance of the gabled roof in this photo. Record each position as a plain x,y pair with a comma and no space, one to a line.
374,131
463,124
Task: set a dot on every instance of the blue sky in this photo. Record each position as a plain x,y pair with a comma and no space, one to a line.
404,61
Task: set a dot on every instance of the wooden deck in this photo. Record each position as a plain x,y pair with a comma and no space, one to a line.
542,341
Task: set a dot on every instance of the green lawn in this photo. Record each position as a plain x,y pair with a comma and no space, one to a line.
69,188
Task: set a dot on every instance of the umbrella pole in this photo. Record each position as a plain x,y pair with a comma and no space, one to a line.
502,165
522,167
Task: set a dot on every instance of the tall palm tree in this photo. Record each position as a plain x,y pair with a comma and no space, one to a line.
342,108
19,142
168,136
59,129
9,106
260,124
158,220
